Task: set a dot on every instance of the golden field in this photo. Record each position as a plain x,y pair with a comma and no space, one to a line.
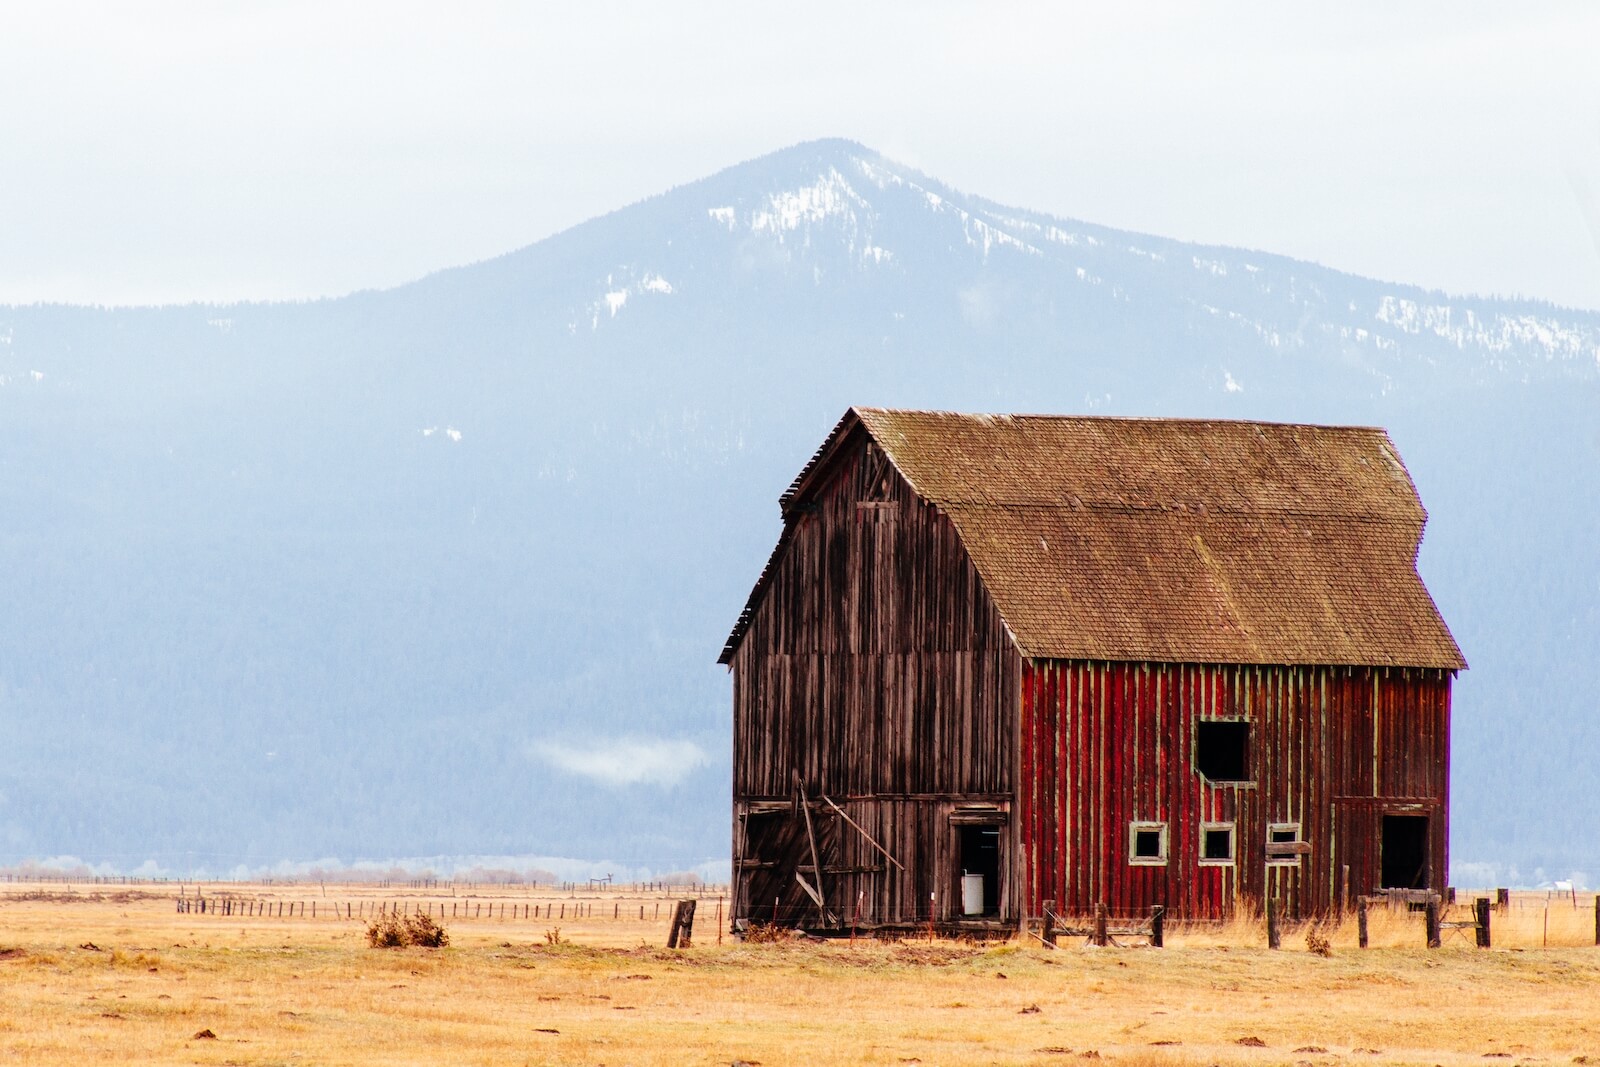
101,973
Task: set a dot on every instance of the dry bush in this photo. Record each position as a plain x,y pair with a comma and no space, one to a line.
553,936
765,934
1317,944
386,931
425,932
397,931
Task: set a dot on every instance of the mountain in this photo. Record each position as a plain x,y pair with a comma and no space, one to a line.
445,569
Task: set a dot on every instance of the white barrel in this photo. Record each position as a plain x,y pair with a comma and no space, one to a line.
971,894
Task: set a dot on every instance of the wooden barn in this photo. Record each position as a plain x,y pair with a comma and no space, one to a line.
999,660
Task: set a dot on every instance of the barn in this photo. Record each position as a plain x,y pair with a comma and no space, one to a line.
995,661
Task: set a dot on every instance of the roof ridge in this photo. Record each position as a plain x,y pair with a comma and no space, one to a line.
1192,420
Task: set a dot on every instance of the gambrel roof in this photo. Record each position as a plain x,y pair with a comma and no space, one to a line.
1176,540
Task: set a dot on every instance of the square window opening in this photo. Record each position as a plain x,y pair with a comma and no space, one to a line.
1147,844
1281,834
1222,750
1216,843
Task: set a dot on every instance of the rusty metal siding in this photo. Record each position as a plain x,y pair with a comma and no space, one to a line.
874,665
1107,744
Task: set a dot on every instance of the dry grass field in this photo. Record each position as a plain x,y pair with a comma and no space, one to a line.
97,973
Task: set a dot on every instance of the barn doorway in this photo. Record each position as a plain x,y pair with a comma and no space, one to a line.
979,848
1405,852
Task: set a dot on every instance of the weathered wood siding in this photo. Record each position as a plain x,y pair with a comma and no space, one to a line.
876,668
861,888
1333,749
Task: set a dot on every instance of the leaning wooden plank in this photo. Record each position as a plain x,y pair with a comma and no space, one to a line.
864,833
811,839
812,893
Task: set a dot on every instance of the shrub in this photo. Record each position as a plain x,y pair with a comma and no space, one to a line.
425,932
398,931
765,934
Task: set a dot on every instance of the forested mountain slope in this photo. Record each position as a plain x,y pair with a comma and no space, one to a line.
446,568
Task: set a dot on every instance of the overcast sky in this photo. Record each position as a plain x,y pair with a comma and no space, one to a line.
207,151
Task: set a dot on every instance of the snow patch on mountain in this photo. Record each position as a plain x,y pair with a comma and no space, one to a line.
1498,333
831,196
616,293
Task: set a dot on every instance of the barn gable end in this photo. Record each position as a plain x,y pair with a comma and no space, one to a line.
871,670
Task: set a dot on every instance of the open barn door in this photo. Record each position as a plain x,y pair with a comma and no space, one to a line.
786,862
1404,852
774,845
980,862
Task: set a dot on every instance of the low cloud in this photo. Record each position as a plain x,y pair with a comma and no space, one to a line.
630,762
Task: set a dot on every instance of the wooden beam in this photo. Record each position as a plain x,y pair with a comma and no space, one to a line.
811,892
816,861
862,832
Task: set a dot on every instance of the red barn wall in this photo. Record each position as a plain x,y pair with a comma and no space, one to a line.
1334,749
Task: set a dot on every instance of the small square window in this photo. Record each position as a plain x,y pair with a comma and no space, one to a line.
1282,834
1222,750
1216,844
1147,844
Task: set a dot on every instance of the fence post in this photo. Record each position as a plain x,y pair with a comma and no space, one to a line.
1361,921
1480,913
1049,931
1431,914
1597,918
1502,899
1101,937
1274,938
682,925
1158,915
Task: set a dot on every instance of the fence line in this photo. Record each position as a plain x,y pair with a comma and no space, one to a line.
227,906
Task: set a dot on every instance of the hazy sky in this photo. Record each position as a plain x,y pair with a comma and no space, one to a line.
224,151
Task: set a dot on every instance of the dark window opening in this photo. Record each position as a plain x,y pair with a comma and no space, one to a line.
980,855
1216,844
1222,750
1405,852
1147,844
1283,833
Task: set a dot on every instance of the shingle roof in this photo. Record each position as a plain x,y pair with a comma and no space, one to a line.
1178,540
